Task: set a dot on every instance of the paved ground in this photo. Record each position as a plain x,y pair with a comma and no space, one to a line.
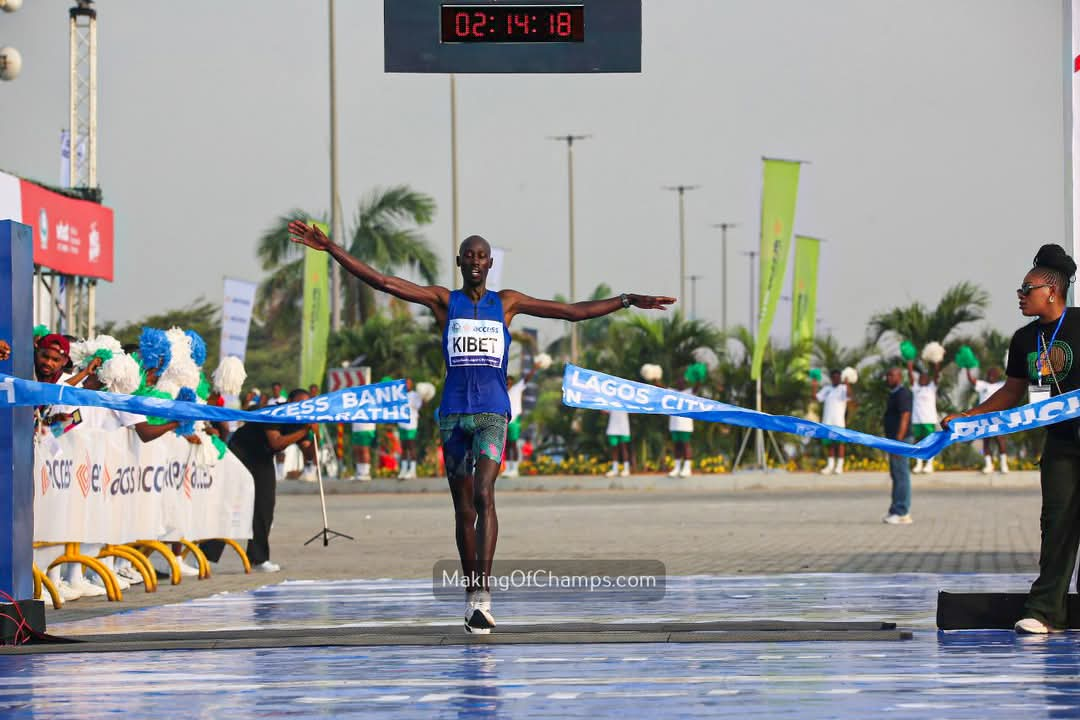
778,524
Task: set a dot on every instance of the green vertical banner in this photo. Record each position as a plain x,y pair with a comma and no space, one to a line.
316,323
779,189
804,289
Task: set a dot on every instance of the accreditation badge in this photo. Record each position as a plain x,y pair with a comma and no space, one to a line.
1037,393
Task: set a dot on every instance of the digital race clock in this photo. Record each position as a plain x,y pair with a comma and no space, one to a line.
491,23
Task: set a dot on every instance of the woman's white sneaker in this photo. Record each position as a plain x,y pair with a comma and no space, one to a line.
1031,626
478,617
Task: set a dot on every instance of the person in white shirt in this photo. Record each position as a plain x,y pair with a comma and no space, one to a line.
834,399
682,433
618,436
984,389
924,414
516,391
407,433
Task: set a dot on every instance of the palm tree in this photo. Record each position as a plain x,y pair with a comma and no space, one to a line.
829,354
962,303
591,333
385,235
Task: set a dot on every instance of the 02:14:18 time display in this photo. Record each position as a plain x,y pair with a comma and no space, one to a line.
513,23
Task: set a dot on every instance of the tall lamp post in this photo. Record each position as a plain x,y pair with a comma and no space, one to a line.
569,140
724,227
693,295
681,189
336,230
752,254
454,239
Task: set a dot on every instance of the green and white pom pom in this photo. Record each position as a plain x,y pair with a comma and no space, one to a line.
40,331
542,361
426,391
849,375
229,376
933,353
908,350
120,374
102,346
651,372
815,374
965,358
696,374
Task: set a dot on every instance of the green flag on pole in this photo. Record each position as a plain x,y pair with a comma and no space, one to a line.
316,323
804,289
778,193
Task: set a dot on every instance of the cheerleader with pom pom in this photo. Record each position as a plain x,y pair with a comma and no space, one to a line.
983,390
682,429
924,414
834,399
407,430
516,391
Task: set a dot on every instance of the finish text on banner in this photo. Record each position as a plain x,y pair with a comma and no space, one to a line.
597,391
778,193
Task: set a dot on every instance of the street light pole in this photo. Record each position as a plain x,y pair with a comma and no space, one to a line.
454,239
724,227
681,189
753,256
569,140
693,295
336,230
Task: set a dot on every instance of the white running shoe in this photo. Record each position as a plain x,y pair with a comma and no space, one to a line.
674,472
478,617
611,473
120,582
893,519
625,471
133,576
266,567
1031,626
85,588
187,570
988,466
687,470
66,592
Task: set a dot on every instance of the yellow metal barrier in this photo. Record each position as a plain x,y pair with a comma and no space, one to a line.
40,580
239,551
137,560
194,549
72,555
165,552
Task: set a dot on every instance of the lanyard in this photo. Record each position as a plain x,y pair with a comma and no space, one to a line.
1046,349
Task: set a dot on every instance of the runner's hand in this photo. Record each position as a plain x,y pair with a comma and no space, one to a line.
305,234
650,302
949,418
193,439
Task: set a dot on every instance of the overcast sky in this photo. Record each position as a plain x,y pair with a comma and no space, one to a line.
934,129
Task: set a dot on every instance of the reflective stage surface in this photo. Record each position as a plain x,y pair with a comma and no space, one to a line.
936,675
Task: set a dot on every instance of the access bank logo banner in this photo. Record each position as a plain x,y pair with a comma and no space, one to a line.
236,316
385,402
597,391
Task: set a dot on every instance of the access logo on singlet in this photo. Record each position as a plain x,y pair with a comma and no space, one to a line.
472,343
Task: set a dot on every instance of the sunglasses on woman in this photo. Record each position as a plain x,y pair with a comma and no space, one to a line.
1026,288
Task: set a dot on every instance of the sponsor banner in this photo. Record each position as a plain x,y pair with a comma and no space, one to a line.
338,378
98,486
385,402
779,189
804,289
597,391
71,236
316,320
236,316
1072,135
495,275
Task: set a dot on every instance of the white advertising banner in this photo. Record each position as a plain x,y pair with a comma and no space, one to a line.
236,316
495,275
97,486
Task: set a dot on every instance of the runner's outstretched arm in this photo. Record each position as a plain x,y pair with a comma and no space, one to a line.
433,297
517,303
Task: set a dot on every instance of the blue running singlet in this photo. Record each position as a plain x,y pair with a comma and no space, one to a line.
475,347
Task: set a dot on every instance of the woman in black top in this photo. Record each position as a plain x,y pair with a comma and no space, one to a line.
1042,363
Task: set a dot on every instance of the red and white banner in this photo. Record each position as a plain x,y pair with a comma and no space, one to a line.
341,378
71,236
